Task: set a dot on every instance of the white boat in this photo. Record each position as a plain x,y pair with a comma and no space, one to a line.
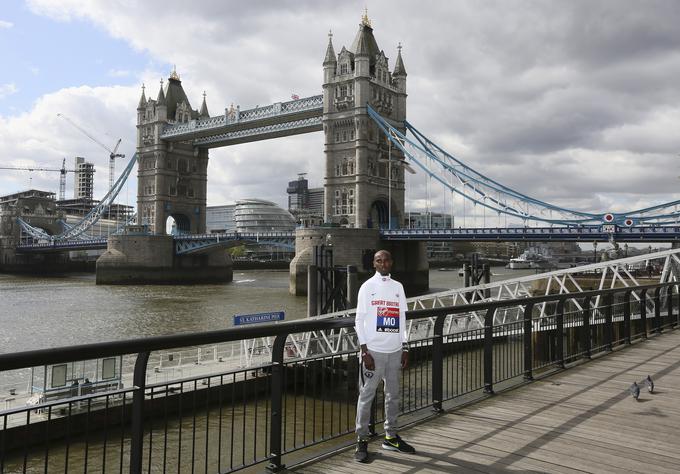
518,263
530,258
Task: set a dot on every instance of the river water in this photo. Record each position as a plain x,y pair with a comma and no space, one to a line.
41,312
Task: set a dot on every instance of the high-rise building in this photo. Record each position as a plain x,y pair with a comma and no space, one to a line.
83,186
305,204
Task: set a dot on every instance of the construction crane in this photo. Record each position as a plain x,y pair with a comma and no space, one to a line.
62,177
113,154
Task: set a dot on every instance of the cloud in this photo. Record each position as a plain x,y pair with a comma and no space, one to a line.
571,102
40,138
119,73
7,89
6,25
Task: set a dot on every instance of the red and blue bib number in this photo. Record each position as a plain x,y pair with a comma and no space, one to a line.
387,320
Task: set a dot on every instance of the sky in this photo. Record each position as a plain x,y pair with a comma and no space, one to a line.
575,103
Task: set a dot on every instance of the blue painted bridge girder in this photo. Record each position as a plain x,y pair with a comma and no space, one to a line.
666,234
62,246
188,244
195,244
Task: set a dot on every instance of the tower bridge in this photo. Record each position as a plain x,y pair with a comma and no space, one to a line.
368,147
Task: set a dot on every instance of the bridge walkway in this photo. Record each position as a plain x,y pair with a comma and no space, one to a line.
579,420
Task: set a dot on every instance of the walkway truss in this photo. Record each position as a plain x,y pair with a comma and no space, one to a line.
78,231
657,267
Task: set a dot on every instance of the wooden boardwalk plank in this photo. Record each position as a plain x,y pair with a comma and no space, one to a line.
579,420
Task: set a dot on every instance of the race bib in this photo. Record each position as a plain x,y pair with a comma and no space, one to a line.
387,320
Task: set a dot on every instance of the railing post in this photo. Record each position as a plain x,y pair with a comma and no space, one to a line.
438,364
488,350
657,310
608,321
137,424
559,321
312,289
276,428
371,419
626,316
585,335
671,323
677,313
643,312
669,305
528,346
352,286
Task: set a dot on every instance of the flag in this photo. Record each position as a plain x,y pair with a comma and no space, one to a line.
295,97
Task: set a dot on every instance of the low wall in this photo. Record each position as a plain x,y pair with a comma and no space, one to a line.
350,247
151,259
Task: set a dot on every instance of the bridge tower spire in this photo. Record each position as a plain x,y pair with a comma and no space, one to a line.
171,177
363,173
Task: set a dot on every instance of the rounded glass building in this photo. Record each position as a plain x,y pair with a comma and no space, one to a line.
258,215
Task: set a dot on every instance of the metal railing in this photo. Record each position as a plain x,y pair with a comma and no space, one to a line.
223,421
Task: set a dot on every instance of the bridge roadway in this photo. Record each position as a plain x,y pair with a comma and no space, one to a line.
193,243
582,419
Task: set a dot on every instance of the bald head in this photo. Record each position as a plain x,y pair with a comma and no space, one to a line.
382,262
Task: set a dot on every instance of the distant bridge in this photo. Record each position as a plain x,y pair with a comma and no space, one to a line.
184,244
603,233
187,244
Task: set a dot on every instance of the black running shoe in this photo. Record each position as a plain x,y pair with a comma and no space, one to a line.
361,452
398,444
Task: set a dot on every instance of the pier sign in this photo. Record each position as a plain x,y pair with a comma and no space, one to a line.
258,318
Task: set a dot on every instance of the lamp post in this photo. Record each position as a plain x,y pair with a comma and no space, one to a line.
594,252
389,183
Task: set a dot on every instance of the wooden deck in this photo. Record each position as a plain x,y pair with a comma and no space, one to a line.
580,420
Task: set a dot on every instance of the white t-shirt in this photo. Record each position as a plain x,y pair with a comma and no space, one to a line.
381,314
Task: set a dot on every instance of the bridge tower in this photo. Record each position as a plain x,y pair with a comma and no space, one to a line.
358,185
171,177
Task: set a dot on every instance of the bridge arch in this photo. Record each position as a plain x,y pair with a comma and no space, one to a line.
177,224
379,214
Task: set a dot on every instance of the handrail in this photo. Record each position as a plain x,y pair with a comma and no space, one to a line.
55,355
490,369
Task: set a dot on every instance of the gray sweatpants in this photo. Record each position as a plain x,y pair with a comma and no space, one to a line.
387,368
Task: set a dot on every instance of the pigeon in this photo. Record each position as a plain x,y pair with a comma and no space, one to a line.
650,384
635,390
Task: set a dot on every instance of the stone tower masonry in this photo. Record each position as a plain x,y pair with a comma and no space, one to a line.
171,177
357,178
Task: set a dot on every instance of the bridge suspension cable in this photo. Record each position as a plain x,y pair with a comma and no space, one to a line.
91,218
490,194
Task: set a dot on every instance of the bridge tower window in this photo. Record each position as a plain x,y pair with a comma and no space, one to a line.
182,166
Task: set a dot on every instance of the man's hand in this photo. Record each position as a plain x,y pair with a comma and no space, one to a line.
368,361
404,360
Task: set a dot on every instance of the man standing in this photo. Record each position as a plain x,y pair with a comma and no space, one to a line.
380,327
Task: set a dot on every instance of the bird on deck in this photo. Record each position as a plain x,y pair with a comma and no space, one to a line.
634,390
650,384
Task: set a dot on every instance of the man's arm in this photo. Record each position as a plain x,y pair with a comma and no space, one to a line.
360,329
402,328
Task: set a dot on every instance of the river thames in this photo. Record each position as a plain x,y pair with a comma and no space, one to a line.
40,312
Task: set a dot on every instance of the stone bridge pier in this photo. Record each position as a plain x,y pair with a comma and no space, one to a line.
349,248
